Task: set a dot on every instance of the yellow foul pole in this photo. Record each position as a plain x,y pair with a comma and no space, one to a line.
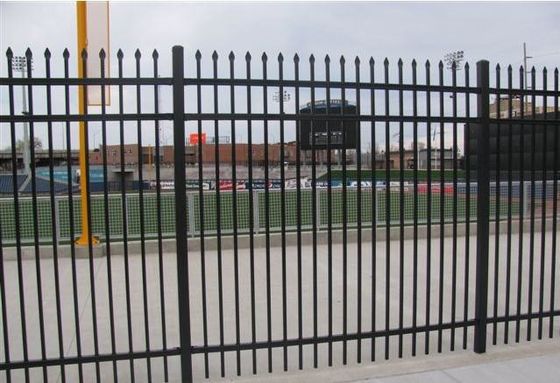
81,9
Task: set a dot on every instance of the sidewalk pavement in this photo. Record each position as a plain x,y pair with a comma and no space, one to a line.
149,288
527,362
543,369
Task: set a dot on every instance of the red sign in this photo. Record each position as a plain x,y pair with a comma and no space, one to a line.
193,138
228,185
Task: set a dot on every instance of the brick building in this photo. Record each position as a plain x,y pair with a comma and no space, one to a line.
208,154
130,152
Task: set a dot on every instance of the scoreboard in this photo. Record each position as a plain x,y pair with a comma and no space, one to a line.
315,132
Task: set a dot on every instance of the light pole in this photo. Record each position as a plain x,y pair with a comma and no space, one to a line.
95,135
525,69
454,61
281,98
19,63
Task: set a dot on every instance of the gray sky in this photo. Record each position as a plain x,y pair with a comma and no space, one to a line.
493,31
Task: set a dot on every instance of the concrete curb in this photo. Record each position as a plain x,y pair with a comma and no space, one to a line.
210,243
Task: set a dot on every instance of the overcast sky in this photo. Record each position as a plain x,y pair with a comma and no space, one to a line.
493,31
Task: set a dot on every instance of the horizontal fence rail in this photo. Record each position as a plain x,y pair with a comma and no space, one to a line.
344,212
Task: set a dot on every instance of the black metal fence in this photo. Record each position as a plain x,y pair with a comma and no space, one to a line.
372,269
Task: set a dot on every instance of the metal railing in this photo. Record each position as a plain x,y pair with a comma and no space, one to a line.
340,291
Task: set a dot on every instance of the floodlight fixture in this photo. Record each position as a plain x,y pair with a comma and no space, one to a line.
456,58
19,63
285,96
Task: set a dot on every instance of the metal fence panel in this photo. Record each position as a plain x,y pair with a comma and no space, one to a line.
353,254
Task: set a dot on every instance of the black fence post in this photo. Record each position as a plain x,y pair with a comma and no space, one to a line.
181,213
483,205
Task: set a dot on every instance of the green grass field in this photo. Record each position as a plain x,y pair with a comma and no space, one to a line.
117,224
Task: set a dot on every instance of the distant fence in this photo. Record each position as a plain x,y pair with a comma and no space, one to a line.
167,211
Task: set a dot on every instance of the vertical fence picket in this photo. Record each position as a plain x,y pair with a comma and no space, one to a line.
329,205
89,228
509,213
401,209
544,186
454,216
283,211
344,221
155,57
264,59
299,219
234,211
33,176
145,304
192,212
102,57
522,211
15,191
358,213
467,128
5,334
125,218
429,210
316,200
441,149
374,210
387,211
54,220
533,189
415,211
77,333
218,215
496,219
253,216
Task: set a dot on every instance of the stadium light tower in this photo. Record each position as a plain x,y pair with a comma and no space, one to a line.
451,58
19,63
456,58
285,96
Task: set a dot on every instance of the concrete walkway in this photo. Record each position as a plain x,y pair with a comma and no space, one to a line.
370,300
537,369
536,362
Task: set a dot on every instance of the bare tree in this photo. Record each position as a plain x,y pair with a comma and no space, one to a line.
20,144
421,145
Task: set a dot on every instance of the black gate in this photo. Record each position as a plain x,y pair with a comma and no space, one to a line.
285,256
